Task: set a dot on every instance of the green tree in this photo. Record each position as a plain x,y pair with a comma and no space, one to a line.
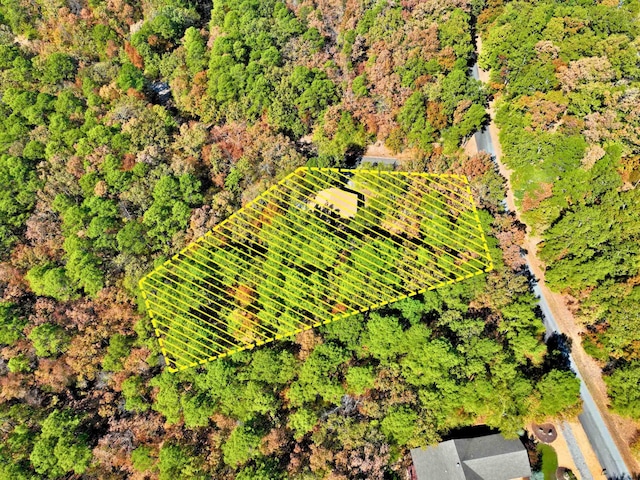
14,471
348,139
175,461
316,96
165,28
241,446
413,120
142,458
196,50
197,409
49,340
346,333
167,400
271,367
131,238
20,18
624,388
17,197
11,323
67,103
58,67
399,425
105,221
302,422
170,210
134,393
429,362
34,150
455,33
102,35
472,120
19,363
360,379
83,266
458,86
267,469
60,448
383,338
49,281
538,76
118,349
359,86
559,393
318,376
130,77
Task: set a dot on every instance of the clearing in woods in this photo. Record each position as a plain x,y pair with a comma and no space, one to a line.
321,245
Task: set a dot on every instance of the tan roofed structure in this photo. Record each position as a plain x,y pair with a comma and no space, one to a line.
346,203
280,265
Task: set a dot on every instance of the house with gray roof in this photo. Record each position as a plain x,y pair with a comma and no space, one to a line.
490,457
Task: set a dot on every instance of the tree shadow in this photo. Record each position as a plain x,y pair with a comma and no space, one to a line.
474,431
353,155
558,352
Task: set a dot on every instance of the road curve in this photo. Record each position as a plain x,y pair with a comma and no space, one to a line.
591,419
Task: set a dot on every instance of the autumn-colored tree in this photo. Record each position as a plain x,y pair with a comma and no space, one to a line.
129,129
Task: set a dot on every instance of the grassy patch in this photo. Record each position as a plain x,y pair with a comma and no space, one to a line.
549,461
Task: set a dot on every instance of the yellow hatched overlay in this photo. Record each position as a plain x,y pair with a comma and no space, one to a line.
321,245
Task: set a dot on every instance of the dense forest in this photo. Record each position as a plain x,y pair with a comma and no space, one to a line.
568,78
128,130
293,259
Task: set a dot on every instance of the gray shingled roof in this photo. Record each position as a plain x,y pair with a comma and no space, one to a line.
491,457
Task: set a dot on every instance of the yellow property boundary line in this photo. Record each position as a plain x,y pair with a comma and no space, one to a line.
194,290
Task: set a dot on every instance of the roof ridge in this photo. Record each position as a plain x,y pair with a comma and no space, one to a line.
490,456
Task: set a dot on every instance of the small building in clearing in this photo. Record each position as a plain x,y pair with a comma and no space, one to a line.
343,201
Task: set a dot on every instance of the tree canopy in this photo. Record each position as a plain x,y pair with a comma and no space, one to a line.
129,129
569,117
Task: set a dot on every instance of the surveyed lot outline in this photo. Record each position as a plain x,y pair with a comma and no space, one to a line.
321,245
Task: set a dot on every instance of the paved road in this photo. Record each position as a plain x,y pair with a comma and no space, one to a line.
591,420
380,160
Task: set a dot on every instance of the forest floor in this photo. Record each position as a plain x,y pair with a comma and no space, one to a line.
623,430
379,149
